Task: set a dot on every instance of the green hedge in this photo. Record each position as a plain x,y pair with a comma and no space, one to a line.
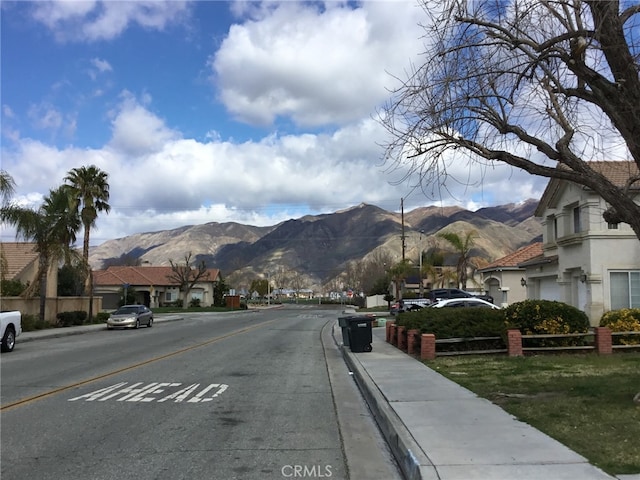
529,316
459,323
547,317
67,319
623,320
31,323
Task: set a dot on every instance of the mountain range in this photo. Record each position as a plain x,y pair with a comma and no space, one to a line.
320,248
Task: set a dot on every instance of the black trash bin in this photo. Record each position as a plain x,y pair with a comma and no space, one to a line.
343,322
360,334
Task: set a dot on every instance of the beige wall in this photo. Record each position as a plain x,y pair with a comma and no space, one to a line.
54,305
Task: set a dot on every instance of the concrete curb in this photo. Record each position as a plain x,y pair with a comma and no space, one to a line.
413,461
68,331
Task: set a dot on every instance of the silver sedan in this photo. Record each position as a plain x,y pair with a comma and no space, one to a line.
130,316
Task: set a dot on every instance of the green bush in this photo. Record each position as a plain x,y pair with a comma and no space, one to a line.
623,320
67,319
11,288
547,317
102,317
31,323
469,322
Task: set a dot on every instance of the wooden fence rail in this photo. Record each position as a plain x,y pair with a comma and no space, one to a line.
598,339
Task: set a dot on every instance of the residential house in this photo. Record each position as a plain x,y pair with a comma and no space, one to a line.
19,262
153,286
586,262
504,279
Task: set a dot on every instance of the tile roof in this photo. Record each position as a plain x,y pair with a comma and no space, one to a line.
18,256
516,258
617,172
159,276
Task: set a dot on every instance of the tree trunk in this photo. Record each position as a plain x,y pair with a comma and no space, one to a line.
43,286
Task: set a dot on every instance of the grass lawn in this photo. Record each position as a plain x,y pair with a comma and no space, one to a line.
585,401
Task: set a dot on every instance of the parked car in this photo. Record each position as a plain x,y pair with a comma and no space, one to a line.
409,305
413,307
10,328
130,316
445,293
464,302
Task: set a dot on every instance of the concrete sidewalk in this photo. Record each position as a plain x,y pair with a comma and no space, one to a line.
440,430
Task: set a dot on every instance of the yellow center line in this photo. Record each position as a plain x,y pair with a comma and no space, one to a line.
55,391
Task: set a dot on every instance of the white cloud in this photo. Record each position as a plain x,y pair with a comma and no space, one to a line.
104,20
317,66
137,131
7,111
98,66
101,65
159,180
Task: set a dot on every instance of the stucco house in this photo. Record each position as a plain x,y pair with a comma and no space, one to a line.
504,279
152,284
585,261
19,261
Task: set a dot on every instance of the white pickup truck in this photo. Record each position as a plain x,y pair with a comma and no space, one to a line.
10,328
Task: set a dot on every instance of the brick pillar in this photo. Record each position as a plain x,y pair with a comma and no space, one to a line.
427,346
514,343
393,335
603,342
388,331
412,336
402,338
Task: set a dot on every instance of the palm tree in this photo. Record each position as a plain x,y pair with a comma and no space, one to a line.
7,186
462,246
89,194
68,220
398,273
48,228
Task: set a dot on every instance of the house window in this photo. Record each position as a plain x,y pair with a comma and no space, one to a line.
612,226
552,228
625,290
577,224
167,297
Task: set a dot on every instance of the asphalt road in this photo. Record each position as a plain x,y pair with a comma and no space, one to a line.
239,396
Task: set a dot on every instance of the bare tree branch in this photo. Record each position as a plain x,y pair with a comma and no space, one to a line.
540,86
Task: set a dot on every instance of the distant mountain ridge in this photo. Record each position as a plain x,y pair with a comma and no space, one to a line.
319,247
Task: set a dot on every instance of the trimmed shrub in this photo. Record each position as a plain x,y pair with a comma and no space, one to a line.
623,320
468,322
31,323
102,317
67,319
547,317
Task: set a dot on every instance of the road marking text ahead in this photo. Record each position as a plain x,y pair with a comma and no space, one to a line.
155,392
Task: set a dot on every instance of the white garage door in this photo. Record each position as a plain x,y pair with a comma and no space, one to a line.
549,289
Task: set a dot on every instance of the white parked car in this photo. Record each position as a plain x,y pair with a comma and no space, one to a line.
464,302
10,328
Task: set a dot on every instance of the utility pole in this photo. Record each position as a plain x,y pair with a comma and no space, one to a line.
403,236
420,262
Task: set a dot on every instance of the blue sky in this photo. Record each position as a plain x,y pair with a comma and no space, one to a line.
254,112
